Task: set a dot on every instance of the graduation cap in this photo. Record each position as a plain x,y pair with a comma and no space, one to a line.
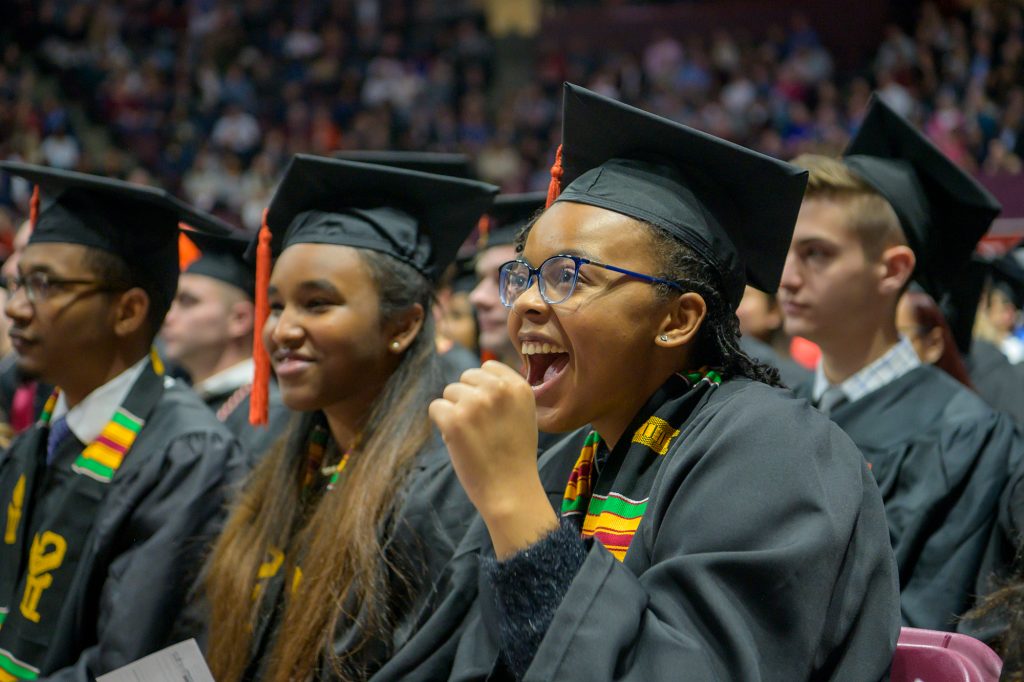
452,165
1007,276
222,257
960,304
417,218
137,223
221,250
943,211
734,207
464,279
508,215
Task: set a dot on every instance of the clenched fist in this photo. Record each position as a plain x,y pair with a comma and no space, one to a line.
489,422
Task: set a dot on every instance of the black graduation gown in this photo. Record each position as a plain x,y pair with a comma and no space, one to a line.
942,458
146,540
763,555
431,520
999,383
255,440
791,373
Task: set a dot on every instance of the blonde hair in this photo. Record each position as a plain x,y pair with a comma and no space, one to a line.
868,213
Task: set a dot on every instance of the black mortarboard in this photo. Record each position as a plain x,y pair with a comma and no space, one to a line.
222,257
735,207
452,165
417,218
960,304
464,278
942,209
135,222
508,215
1007,276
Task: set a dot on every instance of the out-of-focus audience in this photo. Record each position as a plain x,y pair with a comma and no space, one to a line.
212,98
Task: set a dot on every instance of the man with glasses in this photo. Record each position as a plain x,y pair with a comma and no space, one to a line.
107,501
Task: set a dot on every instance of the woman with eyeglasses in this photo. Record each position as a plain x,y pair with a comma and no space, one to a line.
698,522
332,560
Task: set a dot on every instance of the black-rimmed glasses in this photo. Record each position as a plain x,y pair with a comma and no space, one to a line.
556,278
39,286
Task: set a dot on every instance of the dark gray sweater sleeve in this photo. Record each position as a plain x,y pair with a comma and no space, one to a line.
528,587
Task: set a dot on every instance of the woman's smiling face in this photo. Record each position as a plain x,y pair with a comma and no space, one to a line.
324,333
590,359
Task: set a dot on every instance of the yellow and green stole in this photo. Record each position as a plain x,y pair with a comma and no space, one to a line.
101,458
608,492
49,519
280,566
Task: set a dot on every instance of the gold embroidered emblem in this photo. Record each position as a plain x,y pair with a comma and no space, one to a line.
657,434
46,556
14,511
268,569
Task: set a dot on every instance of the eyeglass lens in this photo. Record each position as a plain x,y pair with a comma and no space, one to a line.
557,280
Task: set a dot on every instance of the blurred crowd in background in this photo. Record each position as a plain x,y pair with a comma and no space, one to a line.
210,98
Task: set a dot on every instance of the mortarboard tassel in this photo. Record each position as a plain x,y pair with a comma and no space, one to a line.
555,188
258,402
483,232
33,209
188,252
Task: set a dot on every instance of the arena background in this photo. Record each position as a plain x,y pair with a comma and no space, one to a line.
210,98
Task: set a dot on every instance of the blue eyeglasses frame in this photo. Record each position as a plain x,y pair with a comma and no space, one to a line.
534,274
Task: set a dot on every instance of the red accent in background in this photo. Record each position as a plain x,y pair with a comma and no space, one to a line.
805,353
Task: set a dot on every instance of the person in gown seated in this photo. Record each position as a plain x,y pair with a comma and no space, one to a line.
110,499
208,332
891,210
699,521
335,554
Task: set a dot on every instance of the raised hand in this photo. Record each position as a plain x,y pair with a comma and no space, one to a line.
489,422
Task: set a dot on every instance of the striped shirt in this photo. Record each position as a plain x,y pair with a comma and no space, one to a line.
897,361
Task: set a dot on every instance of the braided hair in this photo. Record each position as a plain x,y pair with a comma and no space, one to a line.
718,341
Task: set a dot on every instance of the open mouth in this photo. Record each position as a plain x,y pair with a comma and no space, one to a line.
545,362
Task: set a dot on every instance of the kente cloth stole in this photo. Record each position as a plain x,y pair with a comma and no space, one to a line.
50,512
319,478
607,492
102,458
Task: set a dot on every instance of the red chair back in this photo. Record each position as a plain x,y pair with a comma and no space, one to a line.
931,656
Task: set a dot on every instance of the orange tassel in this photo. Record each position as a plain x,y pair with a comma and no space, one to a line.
483,231
188,252
33,209
259,399
555,187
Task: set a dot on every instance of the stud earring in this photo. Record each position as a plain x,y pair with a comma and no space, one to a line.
663,338
395,345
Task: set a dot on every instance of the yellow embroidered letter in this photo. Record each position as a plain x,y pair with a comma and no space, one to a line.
46,556
14,511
